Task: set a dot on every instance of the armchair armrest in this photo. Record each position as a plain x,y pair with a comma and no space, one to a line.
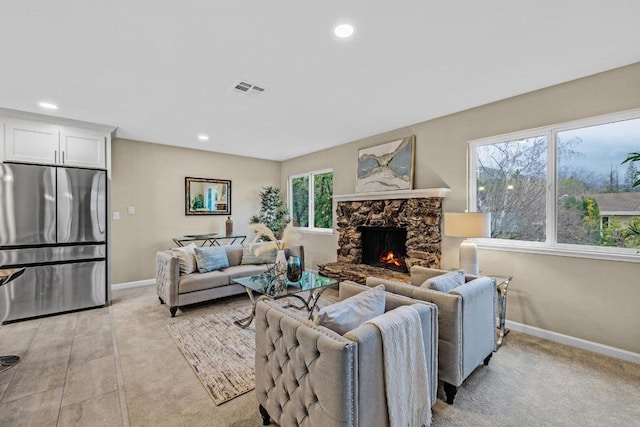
478,320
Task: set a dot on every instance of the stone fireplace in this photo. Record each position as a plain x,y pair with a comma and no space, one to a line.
419,212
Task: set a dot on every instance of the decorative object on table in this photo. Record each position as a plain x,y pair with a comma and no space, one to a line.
468,225
387,166
280,265
228,227
273,212
207,196
294,269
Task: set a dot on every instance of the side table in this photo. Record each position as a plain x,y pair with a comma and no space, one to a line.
502,286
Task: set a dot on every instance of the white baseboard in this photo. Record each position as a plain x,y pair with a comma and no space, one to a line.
136,284
574,342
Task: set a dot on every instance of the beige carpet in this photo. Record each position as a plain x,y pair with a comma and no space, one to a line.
221,354
529,382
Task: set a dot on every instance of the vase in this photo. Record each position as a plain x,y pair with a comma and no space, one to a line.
228,225
281,272
294,268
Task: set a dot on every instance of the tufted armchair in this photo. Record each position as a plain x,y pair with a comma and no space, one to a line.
466,319
308,375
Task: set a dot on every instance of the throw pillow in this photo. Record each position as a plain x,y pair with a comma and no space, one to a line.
186,258
211,258
351,312
445,282
249,255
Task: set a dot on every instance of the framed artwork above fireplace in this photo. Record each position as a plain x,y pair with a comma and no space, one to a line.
387,166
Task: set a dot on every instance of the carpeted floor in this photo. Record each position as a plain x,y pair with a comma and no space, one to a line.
529,382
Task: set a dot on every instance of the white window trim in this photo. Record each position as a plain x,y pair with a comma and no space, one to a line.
550,246
311,229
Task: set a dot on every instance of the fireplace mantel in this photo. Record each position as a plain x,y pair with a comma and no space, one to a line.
390,195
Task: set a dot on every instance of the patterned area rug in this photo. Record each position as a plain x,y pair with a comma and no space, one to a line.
221,354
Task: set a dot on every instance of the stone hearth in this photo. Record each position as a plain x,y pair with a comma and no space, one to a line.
421,216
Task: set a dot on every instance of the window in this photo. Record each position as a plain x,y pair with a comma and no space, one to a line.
310,200
562,187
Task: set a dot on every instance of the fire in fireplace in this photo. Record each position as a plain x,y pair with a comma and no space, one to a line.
384,247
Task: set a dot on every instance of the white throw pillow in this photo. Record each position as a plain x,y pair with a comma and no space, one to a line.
351,312
186,257
249,255
445,282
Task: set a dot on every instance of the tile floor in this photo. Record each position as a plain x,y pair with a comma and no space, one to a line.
69,372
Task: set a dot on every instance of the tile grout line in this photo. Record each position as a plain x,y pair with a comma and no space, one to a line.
124,410
66,375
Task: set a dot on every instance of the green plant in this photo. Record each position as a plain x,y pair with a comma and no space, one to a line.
273,213
633,157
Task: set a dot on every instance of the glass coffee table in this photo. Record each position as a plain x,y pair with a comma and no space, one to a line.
311,282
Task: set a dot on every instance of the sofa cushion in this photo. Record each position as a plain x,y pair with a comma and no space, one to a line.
211,258
445,282
186,258
265,256
234,254
199,281
244,270
351,312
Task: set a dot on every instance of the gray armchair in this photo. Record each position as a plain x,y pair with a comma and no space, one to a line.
466,319
308,375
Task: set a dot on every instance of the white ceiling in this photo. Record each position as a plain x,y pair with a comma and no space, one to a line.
160,70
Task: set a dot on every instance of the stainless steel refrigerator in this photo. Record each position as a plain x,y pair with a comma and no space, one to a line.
53,221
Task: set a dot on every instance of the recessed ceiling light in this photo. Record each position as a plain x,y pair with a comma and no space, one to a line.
343,31
203,137
48,105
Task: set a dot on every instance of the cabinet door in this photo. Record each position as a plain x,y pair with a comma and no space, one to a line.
82,148
31,142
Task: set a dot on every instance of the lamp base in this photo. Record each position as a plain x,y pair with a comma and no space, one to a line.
469,257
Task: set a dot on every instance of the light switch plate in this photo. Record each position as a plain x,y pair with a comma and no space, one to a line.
131,210
116,216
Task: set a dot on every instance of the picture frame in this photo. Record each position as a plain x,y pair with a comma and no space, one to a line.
207,196
387,166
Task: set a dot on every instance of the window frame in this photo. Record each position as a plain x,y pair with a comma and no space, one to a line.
311,207
550,246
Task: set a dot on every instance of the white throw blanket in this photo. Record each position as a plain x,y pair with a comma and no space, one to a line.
405,372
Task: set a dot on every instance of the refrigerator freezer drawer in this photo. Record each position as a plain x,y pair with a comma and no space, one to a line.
50,254
54,289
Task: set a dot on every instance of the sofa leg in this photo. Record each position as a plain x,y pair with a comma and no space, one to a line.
173,311
450,390
266,418
161,300
487,359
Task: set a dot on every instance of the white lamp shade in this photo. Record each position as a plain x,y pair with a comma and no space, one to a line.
467,224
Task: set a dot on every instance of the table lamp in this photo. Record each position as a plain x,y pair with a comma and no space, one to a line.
468,225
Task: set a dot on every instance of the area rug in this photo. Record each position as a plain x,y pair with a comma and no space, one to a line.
221,354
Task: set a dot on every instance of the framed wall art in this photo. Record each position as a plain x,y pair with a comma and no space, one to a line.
387,166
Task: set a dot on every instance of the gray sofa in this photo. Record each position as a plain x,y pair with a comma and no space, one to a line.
308,375
177,290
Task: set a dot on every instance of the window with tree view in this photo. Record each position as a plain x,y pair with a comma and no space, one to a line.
310,200
563,185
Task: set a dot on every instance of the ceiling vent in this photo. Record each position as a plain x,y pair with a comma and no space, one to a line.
248,89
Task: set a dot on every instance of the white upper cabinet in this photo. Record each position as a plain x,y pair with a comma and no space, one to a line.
31,142
82,148
37,142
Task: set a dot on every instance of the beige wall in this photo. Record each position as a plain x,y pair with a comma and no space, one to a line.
150,177
590,299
